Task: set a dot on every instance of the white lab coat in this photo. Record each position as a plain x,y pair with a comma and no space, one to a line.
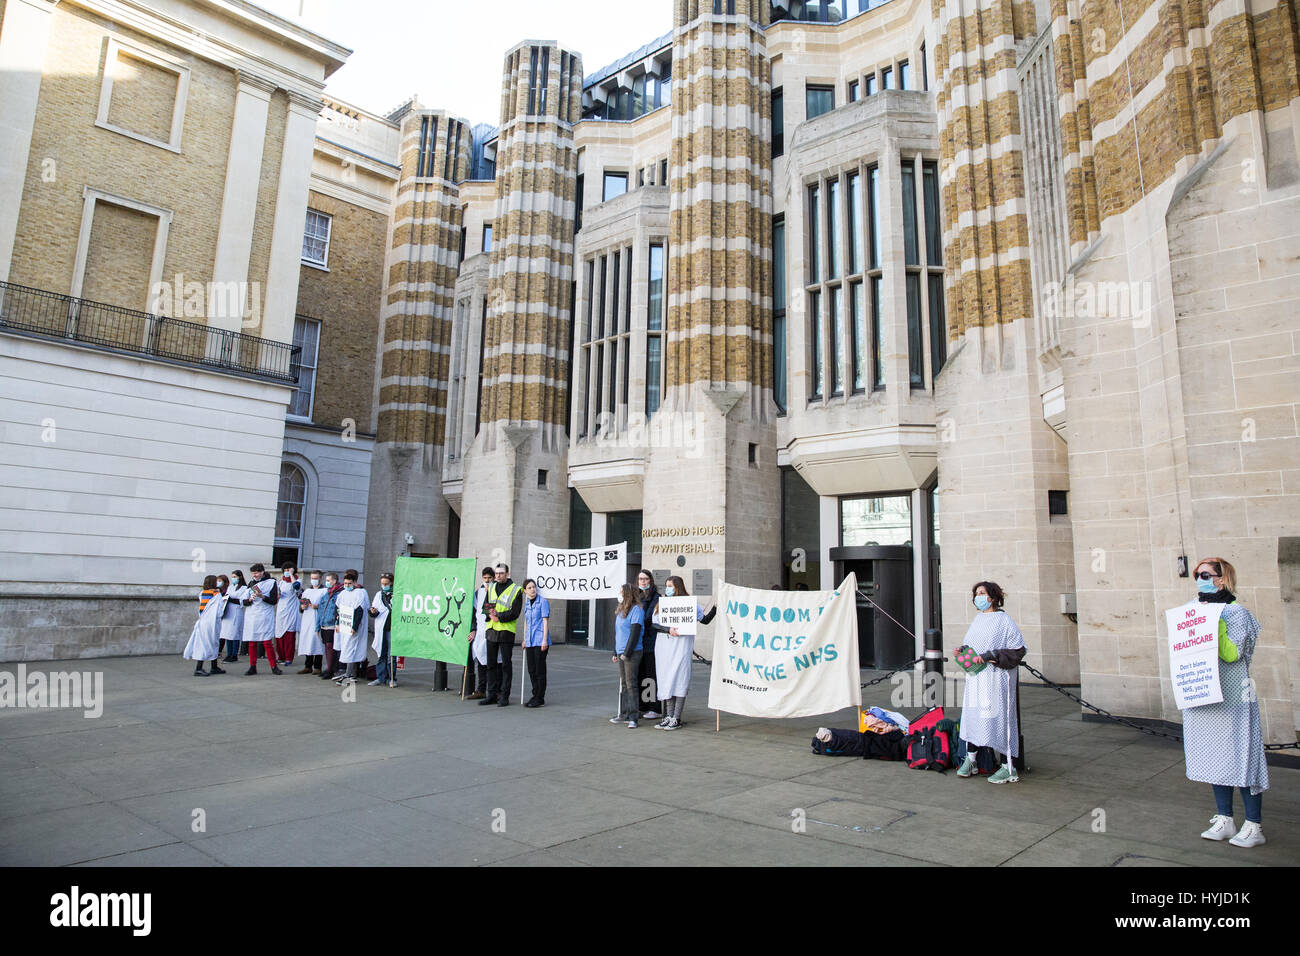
309,641
480,632
203,645
378,605
288,616
232,621
352,647
259,617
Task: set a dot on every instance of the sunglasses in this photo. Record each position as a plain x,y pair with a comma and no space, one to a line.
1206,576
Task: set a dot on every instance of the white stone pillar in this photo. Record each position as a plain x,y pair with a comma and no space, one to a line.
280,301
239,201
829,537
920,565
23,38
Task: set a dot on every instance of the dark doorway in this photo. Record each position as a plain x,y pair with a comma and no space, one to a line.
885,607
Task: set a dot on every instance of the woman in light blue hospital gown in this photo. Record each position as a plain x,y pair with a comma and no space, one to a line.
1222,742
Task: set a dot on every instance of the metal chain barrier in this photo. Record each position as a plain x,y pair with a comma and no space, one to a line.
1122,720
886,676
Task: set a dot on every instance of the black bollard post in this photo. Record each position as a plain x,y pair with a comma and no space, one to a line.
932,678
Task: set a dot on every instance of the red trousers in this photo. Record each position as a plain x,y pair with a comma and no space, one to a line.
268,646
287,645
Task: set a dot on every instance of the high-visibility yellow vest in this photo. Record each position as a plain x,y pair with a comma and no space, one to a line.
502,602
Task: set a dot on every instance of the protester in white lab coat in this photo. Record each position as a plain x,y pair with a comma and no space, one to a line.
350,631
381,611
309,639
232,621
205,638
288,613
673,659
476,677
259,618
988,708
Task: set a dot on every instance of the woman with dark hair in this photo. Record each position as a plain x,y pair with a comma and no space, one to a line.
205,639
628,619
647,597
537,640
673,664
988,709
232,622
1222,743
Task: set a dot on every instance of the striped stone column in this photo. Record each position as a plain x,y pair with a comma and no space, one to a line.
712,462
515,487
415,338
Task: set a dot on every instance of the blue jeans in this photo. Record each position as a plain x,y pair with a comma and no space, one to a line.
1223,800
381,669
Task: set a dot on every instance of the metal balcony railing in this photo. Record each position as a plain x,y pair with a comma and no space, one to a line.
49,315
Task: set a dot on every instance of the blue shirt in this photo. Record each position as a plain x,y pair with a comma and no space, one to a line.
535,611
623,630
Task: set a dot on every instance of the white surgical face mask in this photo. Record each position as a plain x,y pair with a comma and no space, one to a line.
315,582
670,590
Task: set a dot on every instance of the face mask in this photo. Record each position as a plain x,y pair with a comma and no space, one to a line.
1206,587
315,582
670,590
645,587
982,602
388,589
348,587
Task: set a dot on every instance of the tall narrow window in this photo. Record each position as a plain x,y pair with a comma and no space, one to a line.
904,75
532,82
925,72
289,507
833,229
306,335
854,220
912,259
853,91
778,313
654,333
887,78
861,344
316,239
543,80
875,277
487,237
778,122
818,359
869,85
482,361
814,234
934,267
836,324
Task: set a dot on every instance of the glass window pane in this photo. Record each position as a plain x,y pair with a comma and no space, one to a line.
814,235
876,521
820,99
933,233
860,340
837,343
855,233
778,263
778,123
869,84
938,327
873,216
904,75
910,252
833,229
656,317
878,340
815,343
653,373
887,78
615,185
779,369
915,369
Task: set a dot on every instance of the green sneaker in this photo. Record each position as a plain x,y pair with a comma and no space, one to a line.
1005,774
967,766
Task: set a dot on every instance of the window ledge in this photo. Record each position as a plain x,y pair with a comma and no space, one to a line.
131,134
315,265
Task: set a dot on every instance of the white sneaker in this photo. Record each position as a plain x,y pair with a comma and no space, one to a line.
1221,828
616,720
374,683
1250,834
651,715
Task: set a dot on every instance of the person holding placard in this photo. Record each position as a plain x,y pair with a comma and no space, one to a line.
1223,744
673,651
351,628
628,621
537,640
232,621
476,660
648,599
988,709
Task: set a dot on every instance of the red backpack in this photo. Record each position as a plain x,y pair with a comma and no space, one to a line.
927,747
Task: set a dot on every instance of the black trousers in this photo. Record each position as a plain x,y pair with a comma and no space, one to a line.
536,658
476,674
500,669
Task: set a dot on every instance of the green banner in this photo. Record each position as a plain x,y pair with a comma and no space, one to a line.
433,607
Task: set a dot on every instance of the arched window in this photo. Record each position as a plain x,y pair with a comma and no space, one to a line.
288,511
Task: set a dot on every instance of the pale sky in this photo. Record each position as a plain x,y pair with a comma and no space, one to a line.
450,53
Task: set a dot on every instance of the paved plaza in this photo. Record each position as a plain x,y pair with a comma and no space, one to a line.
235,771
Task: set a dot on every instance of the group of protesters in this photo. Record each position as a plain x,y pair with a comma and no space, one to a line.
322,618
